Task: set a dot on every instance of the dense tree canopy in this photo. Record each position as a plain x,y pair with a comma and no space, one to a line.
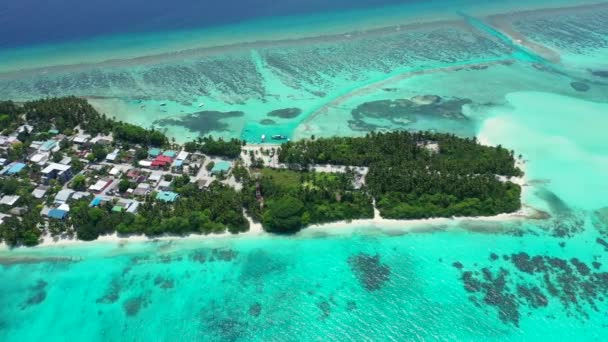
65,113
420,175
290,200
220,147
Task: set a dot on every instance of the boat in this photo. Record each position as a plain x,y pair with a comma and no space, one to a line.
279,137
201,105
263,137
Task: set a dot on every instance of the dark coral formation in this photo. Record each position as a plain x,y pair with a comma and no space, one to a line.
404,112
258,264
164,283
132,306
201,122
371,273
533,282
267,122
255,309
580,86
112,293
351,306
38,294
220,254
600,73
286,113
325,309
199,256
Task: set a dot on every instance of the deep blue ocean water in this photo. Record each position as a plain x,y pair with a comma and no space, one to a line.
26,22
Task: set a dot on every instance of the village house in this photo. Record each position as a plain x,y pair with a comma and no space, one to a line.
60,172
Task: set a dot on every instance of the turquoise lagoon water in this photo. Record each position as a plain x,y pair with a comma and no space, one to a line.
182,82
526,279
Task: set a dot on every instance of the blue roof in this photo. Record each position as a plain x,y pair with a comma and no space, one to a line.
166,196
178,163
171,154
15,168
154,152
58,214
95,202
48,145
53,131
221,166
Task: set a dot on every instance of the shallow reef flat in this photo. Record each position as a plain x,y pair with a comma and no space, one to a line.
567,33
256,81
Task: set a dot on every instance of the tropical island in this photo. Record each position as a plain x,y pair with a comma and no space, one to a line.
70,172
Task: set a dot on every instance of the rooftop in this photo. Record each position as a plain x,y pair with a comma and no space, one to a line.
55,166
9,200
15,168
170,154
64,195
57,213
154,152
48,145
221,166
166,196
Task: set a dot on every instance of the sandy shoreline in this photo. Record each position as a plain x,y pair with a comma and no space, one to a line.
256,230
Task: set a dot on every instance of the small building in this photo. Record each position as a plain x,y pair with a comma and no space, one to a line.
170,154
59,213
13,169
162,161
115,171
155,177
18,211
81,139
178,163
154,152
182,155
80,195
202,184
100,185
111,157
40,191
48,146
164,185
60,172
133,207
167,196
145,163
102,139
63,196
142,189
3,217
66,161
9,200
39,158
99,201
221,166
25,129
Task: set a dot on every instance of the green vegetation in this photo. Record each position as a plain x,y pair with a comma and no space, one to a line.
409,180
290,200
65,113
202,212
221,148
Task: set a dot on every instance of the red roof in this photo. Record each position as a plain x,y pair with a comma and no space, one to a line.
162,161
